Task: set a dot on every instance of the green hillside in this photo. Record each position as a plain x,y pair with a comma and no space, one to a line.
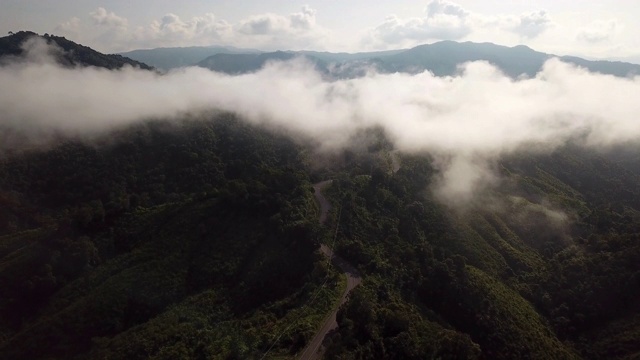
204,233
509,278
201,239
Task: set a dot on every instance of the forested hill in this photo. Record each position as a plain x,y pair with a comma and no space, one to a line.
73,54
199,239
173,241
546,267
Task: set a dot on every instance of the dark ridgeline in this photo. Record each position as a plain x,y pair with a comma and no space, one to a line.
73,54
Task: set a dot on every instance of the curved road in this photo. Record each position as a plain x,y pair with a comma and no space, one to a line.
313,349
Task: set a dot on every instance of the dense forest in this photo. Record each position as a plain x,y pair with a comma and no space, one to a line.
198,238
193,240
506,278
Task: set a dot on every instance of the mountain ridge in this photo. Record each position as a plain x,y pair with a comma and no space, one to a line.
441,58
167,58
73,53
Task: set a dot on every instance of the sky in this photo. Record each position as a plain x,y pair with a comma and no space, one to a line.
593,29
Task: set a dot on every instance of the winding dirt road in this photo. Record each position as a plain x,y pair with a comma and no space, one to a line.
314,350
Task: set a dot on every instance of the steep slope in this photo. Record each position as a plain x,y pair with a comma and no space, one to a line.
535,268
73,54
204,231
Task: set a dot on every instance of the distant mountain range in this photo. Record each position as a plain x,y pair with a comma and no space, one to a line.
170,58
441,58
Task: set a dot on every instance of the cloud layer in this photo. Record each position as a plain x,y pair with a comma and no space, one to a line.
292,31
445,20
466,121
599,31
532,24
308,29
442,20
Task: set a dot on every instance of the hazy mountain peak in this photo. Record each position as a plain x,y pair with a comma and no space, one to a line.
174,57
441,58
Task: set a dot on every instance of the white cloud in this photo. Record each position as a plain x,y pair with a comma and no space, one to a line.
305,19
466,121
442,7
296,30
445,20
71,25
442,20
114,33
171,30
274,24
532,24
71,28
103,17
264,24
599,31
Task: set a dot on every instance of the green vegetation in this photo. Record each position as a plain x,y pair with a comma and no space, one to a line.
199,239
546,267
196,239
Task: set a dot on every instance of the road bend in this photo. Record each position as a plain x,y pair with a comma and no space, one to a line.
314,349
